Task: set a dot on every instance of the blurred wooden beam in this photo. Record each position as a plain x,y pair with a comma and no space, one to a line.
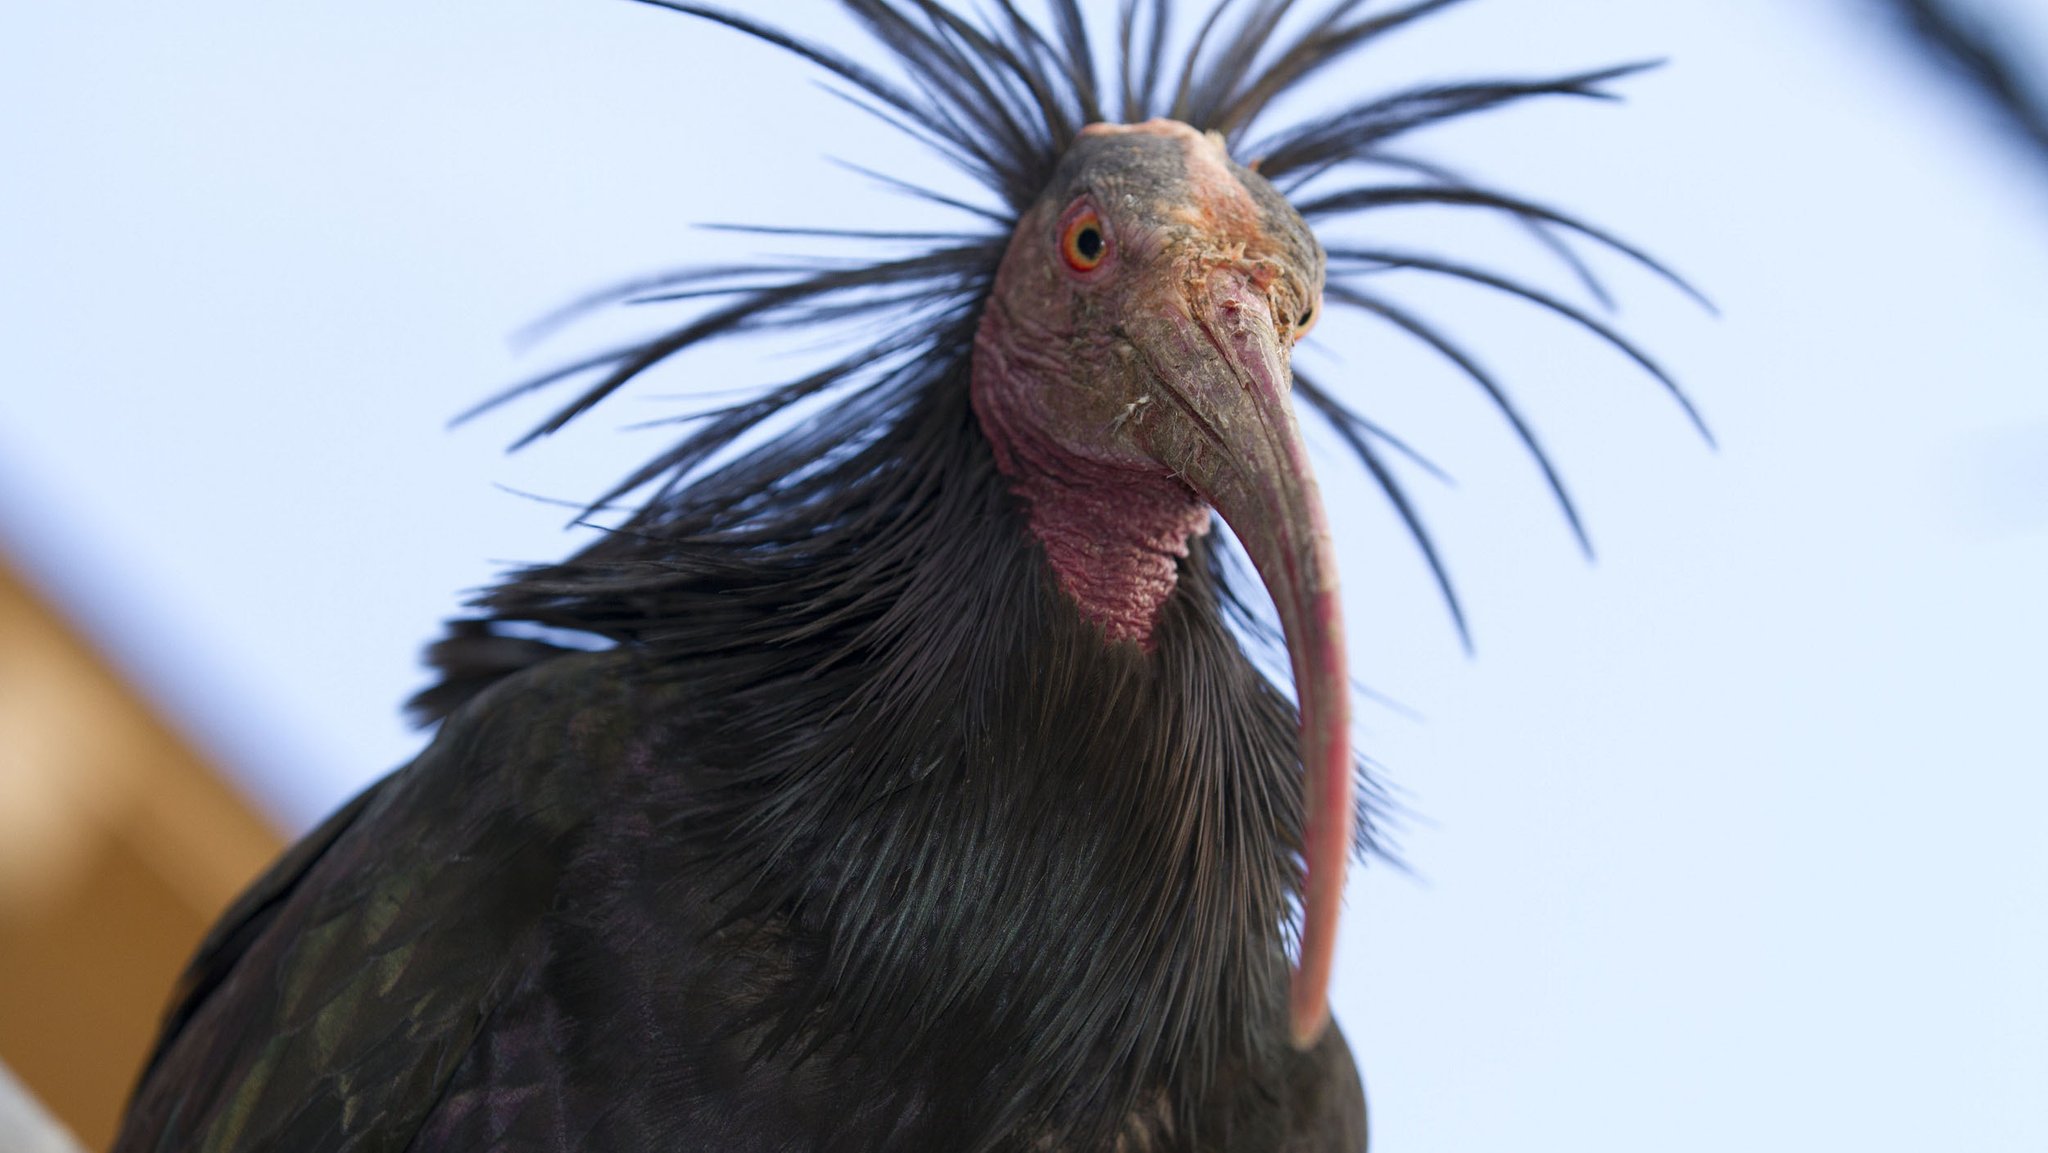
118,847
24,1126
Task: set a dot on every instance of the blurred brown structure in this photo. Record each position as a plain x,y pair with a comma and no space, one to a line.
118,846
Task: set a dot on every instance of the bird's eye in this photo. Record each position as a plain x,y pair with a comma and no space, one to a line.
1308,319
1083,240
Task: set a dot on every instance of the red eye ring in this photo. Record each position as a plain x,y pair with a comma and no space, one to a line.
1084,242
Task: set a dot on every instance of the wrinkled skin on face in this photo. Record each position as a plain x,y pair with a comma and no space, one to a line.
1073,367
1131,373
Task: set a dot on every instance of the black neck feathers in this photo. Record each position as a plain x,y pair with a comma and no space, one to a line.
988,830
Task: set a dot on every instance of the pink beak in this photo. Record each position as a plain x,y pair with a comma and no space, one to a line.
1229,431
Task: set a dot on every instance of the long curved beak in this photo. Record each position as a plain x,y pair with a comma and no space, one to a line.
1228,429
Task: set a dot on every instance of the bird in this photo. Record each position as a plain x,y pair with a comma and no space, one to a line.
913,765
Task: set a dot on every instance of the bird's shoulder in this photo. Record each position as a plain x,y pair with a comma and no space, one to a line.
330,1006
1284,1101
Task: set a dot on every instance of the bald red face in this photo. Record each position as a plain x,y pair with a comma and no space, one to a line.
1140,220
1132,373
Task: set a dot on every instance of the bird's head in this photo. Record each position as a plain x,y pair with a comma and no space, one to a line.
1153,264
1132,372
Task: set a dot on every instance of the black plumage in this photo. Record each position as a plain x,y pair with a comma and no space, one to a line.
860,833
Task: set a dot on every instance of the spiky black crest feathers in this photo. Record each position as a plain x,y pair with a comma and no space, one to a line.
1001,99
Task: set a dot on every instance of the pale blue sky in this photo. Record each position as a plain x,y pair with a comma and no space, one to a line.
1730,840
